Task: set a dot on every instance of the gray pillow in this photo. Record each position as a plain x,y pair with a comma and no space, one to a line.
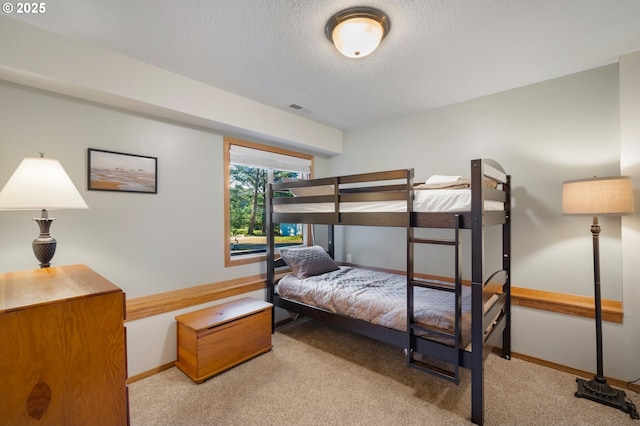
308,261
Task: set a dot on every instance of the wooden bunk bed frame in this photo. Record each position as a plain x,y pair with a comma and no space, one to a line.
490,290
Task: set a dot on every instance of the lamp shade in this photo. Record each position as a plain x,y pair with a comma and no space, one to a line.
604,196
40,183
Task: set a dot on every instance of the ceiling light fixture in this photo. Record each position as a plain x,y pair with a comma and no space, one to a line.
357,31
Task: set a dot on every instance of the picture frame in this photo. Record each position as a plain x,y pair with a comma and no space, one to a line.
121,172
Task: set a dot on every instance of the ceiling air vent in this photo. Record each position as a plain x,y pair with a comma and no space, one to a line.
300,108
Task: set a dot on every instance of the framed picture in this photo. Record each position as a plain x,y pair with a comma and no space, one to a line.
116,171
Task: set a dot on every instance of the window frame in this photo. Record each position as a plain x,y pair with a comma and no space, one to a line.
228,141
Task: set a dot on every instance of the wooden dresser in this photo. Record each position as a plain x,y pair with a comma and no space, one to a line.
214,339
62,348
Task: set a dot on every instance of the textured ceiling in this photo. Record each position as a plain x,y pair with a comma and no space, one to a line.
437,53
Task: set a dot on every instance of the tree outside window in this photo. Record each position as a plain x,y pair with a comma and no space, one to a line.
249,168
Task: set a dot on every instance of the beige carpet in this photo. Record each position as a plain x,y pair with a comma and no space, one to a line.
316,375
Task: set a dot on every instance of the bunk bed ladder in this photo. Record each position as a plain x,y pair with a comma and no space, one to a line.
446,364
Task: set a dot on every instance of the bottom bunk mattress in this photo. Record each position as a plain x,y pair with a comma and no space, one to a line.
379,298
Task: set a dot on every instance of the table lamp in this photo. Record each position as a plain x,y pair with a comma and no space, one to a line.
41,184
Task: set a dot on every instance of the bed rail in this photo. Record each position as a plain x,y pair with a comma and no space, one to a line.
315,196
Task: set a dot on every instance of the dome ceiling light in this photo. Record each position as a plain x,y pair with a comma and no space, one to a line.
357,31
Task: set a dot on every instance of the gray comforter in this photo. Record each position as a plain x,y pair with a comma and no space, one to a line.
377,297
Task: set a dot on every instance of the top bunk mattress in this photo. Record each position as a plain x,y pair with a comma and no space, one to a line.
431,201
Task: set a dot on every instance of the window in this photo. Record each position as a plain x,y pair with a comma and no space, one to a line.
248,168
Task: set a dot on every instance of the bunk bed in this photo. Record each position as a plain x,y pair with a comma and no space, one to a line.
478,314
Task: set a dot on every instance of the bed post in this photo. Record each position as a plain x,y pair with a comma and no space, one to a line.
506,265
270,252
477,305
331,241
410,266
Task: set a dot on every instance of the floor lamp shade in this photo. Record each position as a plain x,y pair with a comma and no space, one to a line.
608,196
41,184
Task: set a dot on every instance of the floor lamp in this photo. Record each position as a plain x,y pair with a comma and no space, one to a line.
607,196
41,184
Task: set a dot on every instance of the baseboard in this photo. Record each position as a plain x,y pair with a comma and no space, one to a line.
576,372
151,372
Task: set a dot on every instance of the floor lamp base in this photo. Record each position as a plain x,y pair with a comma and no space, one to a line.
612,397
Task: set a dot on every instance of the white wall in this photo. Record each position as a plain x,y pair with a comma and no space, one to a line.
137,241
543,134
627,338
144,243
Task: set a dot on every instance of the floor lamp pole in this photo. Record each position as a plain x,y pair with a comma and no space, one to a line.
595,232
597,389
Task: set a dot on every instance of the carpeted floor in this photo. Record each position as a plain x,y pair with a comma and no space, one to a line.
316,375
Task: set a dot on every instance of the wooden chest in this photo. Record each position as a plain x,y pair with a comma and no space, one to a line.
214,339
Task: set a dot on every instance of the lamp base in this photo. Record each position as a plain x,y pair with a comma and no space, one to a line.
44,247
600,391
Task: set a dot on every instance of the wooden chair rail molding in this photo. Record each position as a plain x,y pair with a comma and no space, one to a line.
155,304
569,304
